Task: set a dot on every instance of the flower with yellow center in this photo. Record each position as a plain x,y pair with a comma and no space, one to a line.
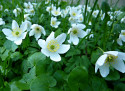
17,34
37,30
54,22
56,12
75,32
52,47
110,58
95,13
74,12
121,38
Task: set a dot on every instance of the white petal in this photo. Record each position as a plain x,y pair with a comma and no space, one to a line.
96,68
23,35
122,37
81,26
115,53
101,60
45,52
18,42
41,43
82,34
121,55
31,33
43,31
119,41
61,38
50,37
7,32
104,70
55,57
63,48
37,36
23,26
14,24
74,39
119,65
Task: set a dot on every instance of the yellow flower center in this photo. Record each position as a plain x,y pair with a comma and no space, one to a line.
53,45
16,32
53,22
74,14
56,12
75,31
110,58
123,33
37,30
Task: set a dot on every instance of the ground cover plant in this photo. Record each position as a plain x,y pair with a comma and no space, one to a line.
53,45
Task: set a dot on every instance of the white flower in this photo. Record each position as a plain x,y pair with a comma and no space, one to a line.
88,8
50,8
56,12
2,22
28,24
123,20
90,23
54,22
17,11
28,5
1,7
102,16
6,10
80,18
88,31
109,23
64,13
75,32
26,17
37,30
95,13
110,58
17,34
30,11
73,20
52,47
47,1
122,35
119,41
74,12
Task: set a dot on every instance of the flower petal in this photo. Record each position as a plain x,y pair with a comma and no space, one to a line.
55,56
14,25
96,68
63,48
31,33
104,70
81,26
119,41
61,38
82,34
74,39
23,26
121,55
115,53
45,52
101,60
37,36
119,65
18,42
50,37
41,43
7,32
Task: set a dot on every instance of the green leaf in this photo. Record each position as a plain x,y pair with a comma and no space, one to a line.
14,87
43,83
113,75
22,85
73,51
119,87
10,45
34,58
5,55
16,56
78,79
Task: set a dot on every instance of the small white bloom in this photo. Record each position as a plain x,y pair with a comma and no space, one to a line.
123,20
80,18
54,22
6,10
88,8
75,32
52,47
28,5
28,24
1,7
2,22
37,30
17,11
73,20
102,16
56,12
26,17
109,23
88,31
95,13
50,8
74,12
110,58
17,34
90,23
122,35
64,13
47,1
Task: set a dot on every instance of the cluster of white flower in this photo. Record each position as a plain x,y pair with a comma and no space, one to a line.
52,46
